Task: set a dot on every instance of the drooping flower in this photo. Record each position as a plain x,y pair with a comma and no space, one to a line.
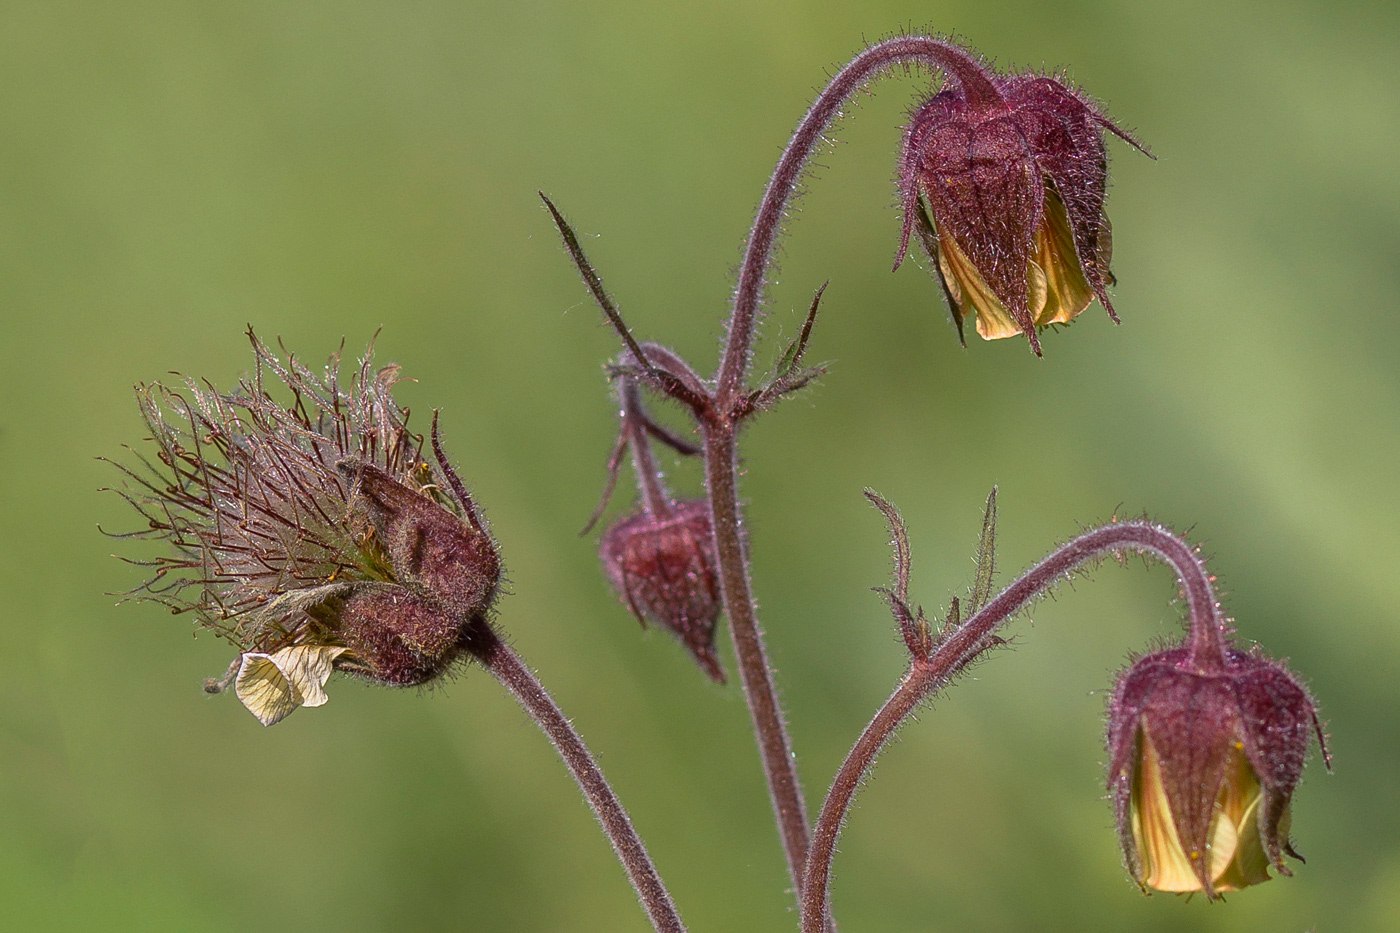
311,532
663,568
1202,769
1003,177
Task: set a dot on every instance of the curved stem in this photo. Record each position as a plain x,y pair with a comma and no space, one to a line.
722,416
927,676
511,671
976,85
912,690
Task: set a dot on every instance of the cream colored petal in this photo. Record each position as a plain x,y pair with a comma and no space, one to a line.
308,667
273,685
264,689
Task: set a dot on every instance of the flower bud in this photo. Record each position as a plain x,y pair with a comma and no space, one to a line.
663,568
1202,768
1014,180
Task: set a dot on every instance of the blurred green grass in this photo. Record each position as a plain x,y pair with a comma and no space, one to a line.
172,172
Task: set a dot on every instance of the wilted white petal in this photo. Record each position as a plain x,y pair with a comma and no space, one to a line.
264,689
308,667
273,685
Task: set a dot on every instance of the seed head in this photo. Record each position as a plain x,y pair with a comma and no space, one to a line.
309,531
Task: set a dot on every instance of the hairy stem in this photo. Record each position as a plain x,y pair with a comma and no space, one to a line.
511,671
725,409
913,688
655,498
758,253
724,412
929,675
754,671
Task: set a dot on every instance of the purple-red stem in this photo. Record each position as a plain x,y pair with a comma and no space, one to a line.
511,671
755,673
723,416
748,293
927,676
655,499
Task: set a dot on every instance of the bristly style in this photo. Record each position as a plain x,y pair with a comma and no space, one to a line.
312,533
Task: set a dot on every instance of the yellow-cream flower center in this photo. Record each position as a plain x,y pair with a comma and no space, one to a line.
1233,850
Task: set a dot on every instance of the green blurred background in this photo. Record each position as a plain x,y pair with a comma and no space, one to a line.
172,171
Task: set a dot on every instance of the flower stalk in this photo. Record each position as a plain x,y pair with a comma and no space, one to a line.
928,674
507,667
728,412
726,403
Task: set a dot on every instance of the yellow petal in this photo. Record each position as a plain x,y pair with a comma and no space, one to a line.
1067,291
273,685
1165,866
1239,806
1223,846
1236,852
1250,864
972,294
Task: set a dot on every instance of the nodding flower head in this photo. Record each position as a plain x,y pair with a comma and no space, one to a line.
663,567
1003,177
311,532
1202,768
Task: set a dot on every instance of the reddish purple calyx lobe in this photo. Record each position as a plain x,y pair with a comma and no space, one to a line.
1195,720
985,165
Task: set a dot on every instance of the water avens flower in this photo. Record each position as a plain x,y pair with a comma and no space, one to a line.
663,568
1004,177
1203,765
310,531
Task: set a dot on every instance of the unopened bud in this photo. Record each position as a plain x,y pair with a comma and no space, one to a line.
1014,180
1202,768
663,568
